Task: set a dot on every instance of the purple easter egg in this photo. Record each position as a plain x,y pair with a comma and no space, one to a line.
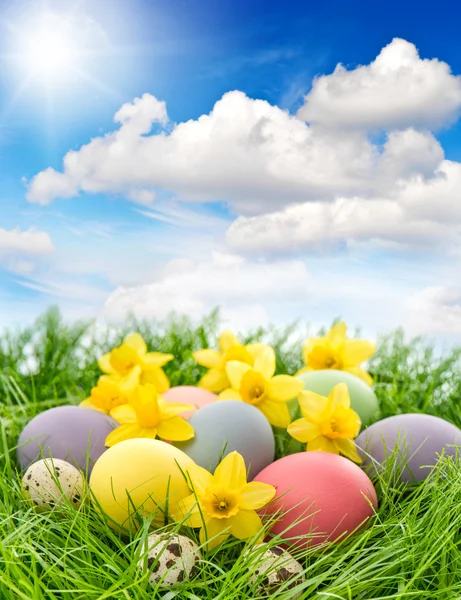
412,443
72,433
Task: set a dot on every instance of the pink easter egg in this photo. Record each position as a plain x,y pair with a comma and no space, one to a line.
189,394
325,497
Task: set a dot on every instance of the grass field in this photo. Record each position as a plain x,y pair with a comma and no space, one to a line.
412,550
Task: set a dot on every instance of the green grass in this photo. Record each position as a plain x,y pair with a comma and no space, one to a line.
411,550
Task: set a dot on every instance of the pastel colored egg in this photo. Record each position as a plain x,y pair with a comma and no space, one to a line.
410,443
72,433
229,425
139,477
363,398
321,497
189,394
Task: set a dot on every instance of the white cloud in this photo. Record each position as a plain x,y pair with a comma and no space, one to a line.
435,310
397,90
31,241
249,293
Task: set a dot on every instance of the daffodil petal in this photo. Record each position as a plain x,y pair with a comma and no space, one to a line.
361,374
211,359
88,404
339,396
214,381
124,414
256,348
226,340
122,433
105,365
156,359
256,495
215,533
265,362
313,406
175,429
189,509
235,371
303,370
284,387
245,524
348,448
322,444
230,394
355,352
200,479
136,342
129,383
337,335
303,430
173,409
231,472
148,432
157,378
277,413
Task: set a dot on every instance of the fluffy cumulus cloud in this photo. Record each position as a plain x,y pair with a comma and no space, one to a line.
250,293
32,242
397,90
435,310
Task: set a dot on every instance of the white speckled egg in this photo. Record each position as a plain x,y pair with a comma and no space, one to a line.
170,559
52,482
272,568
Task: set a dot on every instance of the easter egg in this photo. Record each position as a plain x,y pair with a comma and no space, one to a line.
171,559
189,394
363,398
273,569
139,477
229,425
325,497
72,433
51,482
410,443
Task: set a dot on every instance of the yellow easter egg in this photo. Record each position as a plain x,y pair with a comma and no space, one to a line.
139,478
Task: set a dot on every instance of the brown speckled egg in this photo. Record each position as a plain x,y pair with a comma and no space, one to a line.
171,559
274,569
49,483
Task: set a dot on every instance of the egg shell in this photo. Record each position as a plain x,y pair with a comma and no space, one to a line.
411,442
139,475
189,394
51,482
228,425
272,567
171,558
363,398
72,433
323,495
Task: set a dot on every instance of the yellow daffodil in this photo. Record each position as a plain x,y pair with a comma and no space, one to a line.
328,424
230,349
148,415
335,351
257,385
224,504
110,392
132,358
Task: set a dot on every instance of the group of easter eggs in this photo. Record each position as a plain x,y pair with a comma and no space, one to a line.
309,497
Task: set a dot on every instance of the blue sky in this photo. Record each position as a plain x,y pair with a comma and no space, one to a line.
338,195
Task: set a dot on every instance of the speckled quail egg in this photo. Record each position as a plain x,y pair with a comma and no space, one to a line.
51,482
272,568
170,559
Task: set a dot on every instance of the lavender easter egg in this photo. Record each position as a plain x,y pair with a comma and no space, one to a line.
322,497
229,425
410,443
363,398
189,394
72,433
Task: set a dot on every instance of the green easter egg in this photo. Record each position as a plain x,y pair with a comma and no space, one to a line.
363,398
